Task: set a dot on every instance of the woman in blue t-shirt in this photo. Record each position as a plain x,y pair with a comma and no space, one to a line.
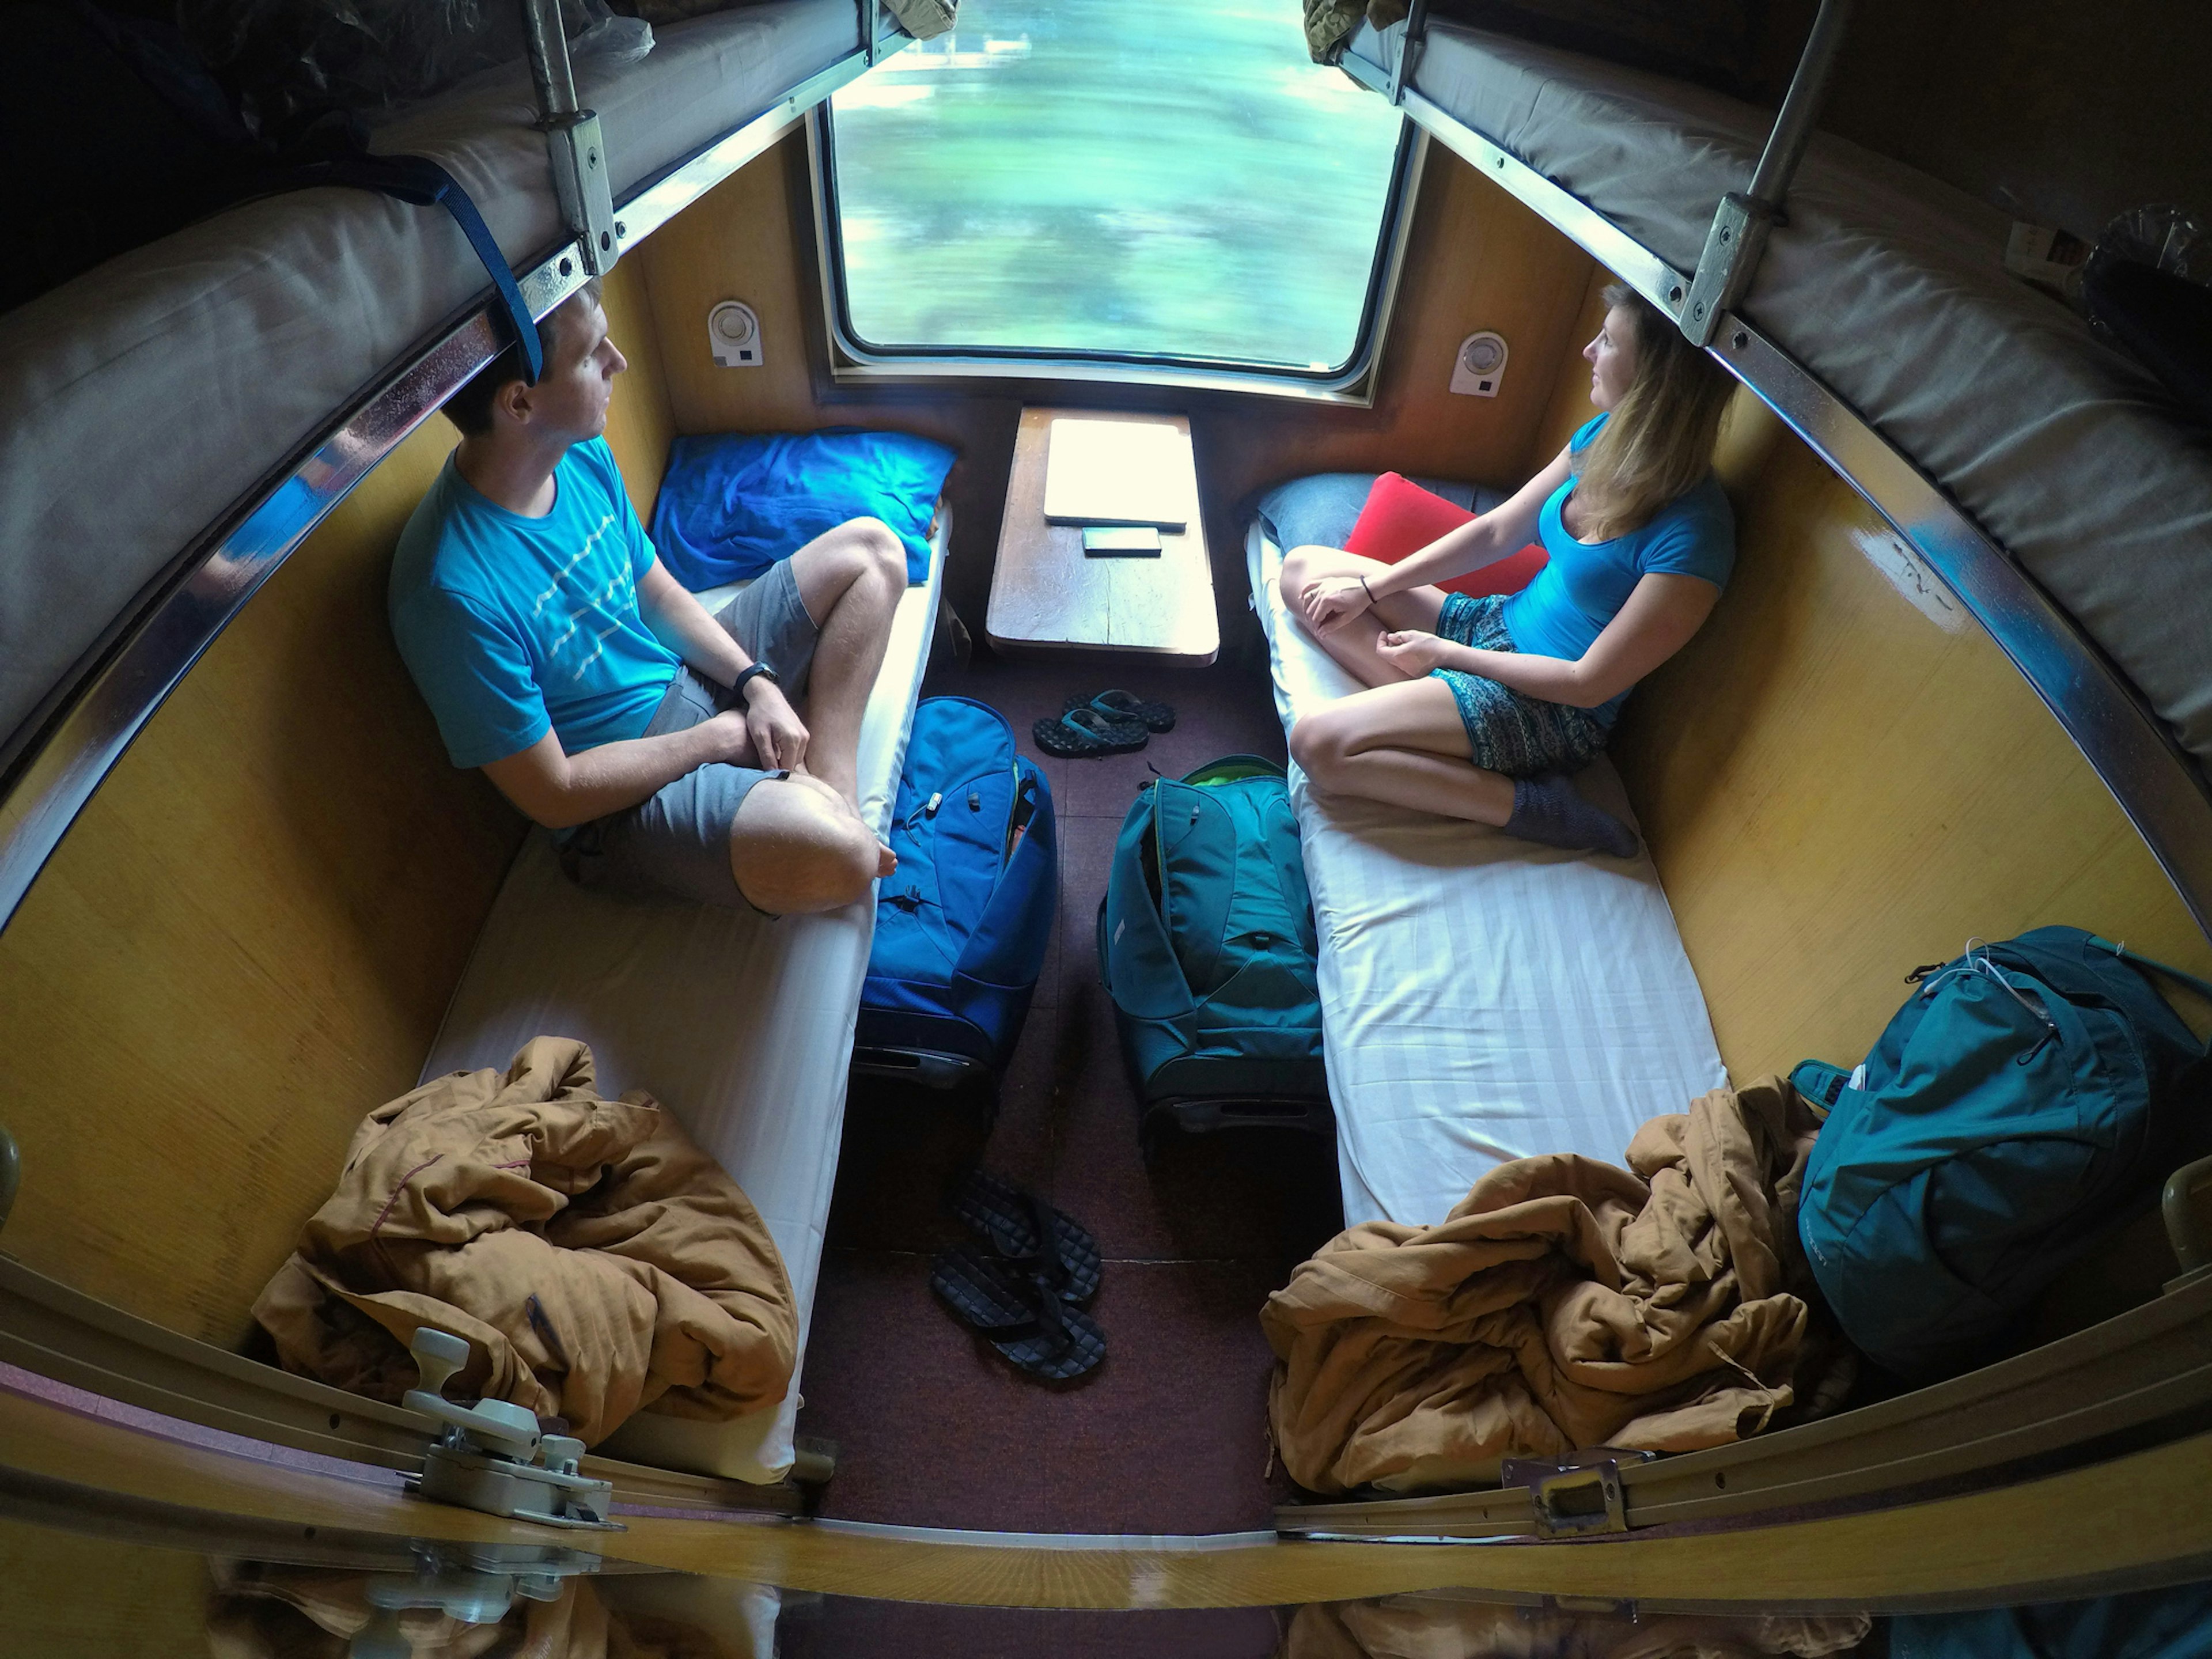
1526,687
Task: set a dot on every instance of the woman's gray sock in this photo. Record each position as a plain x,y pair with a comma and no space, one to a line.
1549,809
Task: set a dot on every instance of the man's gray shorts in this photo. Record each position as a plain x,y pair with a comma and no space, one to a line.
676,844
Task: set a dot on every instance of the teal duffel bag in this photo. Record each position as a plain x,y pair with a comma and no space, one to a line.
1206,945
2028,1096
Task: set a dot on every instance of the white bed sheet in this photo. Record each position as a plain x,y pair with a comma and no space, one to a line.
740,1025
1483,999
1890,286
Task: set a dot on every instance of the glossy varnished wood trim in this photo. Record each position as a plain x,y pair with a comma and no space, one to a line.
2077,1528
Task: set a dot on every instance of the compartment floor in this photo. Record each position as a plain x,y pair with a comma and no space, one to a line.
934,1428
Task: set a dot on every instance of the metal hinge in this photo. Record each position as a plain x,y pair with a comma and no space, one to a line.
493,1455
573,144
1575,1496
1409,50
469,1583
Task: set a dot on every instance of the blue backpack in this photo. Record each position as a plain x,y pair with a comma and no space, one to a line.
1206,947
962,925
2024,1098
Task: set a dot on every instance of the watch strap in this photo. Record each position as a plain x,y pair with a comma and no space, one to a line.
741,688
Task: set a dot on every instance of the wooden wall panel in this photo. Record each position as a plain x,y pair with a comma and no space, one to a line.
65,1595
640,422
1477,259
248,937
1842,777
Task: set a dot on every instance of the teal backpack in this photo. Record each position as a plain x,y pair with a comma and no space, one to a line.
2024,1099
1206,945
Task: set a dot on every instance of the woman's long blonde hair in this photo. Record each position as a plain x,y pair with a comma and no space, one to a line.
1660,440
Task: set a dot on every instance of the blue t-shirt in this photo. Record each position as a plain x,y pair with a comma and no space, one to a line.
1566,607
513,627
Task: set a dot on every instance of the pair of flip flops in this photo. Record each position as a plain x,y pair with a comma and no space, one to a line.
1023,1290
1111,723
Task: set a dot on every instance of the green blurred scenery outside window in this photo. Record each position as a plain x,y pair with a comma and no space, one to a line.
1133,176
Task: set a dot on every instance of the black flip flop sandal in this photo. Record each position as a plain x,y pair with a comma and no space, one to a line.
1032,1236
1083,733
1022,1319
1128,706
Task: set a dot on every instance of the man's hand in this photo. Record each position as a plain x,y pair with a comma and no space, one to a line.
779,735
1412,653
730,739
1331,601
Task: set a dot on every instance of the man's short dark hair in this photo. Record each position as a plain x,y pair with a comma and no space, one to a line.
469,408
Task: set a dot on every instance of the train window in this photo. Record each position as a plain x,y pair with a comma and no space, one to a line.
1146,183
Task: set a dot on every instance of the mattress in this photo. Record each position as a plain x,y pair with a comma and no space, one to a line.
740,1024
140,402
1483,999
1890,286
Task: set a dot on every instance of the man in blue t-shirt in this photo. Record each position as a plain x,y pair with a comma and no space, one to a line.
663,744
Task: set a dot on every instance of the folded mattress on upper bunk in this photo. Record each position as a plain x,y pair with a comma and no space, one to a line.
142,400
1482,998
1890,286
739,1025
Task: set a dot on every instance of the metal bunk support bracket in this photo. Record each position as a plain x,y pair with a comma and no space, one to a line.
572,140
1409,50
1738,237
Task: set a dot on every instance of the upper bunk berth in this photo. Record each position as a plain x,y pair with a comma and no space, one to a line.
178,418
1979,415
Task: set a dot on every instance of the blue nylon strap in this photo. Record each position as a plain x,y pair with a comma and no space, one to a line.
419,180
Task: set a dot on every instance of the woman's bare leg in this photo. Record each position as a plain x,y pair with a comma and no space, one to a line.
1403,743
1352,643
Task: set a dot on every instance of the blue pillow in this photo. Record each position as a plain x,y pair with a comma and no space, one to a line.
730,506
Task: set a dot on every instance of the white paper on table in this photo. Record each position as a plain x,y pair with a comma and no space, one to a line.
1119,472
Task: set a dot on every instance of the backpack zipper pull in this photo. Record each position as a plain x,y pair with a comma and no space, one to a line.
936,800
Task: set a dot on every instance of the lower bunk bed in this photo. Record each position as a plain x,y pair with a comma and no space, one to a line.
740,1024
1483,998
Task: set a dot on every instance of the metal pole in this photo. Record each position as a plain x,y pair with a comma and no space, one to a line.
549,60
572,139
1801,104
1738,235
1409,49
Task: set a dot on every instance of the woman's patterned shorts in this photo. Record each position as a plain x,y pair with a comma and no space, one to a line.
1508,731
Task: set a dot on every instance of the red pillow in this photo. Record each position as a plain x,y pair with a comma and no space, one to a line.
1402,518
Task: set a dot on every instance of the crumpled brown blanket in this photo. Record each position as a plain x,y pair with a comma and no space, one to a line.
1328,22
264,1611
596,1261
1433,1627
1563,1304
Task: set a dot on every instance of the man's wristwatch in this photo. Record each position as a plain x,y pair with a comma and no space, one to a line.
740,686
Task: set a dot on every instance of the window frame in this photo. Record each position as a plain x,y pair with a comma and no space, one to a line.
851,362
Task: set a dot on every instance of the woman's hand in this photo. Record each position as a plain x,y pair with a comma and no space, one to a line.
778,733
1332,601
1412,653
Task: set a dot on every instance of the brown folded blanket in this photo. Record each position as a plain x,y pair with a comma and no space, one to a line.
1563,1304
597,1262
1426,1627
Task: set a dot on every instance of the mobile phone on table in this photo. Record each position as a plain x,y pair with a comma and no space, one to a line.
1120,541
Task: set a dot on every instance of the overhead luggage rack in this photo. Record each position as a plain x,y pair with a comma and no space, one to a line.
2135,695
71,720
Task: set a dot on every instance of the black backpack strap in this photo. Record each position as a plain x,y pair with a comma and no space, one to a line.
421,181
